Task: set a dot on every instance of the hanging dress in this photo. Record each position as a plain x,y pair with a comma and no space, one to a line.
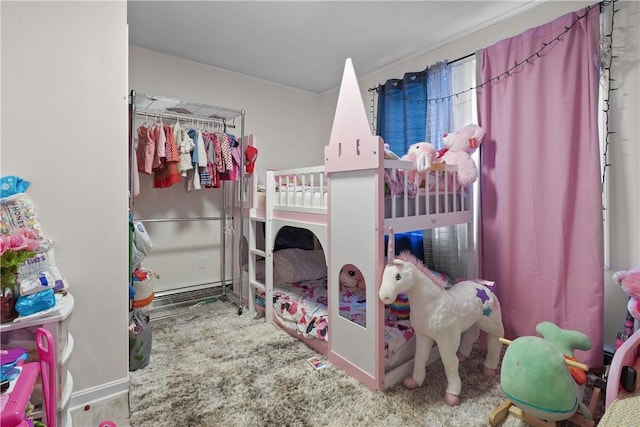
145,150
161,141
185,147
193,175
169,174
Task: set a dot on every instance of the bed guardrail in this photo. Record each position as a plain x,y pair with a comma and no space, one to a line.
424,200
298,190
420,200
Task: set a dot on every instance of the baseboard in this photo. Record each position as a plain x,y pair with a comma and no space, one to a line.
99,393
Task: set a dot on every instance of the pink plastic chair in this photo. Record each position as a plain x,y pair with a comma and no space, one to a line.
625,355
47,357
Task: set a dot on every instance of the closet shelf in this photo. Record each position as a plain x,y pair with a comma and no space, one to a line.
168,107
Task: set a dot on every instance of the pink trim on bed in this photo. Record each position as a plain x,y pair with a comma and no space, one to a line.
357,373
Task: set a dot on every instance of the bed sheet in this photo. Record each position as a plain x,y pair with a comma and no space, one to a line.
399,342
353,305
302,307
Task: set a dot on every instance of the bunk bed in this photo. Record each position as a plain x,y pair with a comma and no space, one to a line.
369,341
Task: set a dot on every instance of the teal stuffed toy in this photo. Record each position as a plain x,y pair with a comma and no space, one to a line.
536,377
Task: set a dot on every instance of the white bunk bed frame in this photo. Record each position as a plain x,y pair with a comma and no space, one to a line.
351,232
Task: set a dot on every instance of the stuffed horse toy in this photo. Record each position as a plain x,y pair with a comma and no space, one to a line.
451,318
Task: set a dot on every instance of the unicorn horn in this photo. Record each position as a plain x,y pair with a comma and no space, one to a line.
391,248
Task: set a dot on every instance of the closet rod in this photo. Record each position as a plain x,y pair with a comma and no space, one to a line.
202,218
185,117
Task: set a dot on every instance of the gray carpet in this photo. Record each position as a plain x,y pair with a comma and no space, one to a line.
212,367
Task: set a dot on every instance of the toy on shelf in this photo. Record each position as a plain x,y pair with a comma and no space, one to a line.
542,379
451,318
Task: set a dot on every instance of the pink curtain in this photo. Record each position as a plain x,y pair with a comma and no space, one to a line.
541,209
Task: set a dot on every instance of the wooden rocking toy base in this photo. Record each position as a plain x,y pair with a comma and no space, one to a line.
507,407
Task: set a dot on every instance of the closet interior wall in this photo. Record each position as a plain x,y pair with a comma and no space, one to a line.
149,108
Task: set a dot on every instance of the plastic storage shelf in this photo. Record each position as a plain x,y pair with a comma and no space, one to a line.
21,333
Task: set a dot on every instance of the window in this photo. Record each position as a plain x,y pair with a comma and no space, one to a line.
423,106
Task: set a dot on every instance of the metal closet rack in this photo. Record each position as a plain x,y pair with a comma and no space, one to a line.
218,118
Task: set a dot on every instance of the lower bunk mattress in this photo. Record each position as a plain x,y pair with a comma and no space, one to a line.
302,308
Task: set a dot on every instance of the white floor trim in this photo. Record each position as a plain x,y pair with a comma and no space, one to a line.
102,392
107,402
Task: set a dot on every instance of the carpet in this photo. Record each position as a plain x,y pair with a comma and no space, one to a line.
213,367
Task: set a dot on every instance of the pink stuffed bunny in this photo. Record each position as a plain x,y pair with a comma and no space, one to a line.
459,147
422,154
630,282
351,277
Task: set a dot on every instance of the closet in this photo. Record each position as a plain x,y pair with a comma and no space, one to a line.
188,212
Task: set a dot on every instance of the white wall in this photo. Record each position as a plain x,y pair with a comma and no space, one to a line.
284,122
624,209
64,115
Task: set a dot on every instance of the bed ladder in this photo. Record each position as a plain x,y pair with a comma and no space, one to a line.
254,254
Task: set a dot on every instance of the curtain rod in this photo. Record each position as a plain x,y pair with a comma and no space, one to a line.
462,58
448,62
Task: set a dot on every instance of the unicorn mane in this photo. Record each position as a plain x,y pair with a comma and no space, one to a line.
409,257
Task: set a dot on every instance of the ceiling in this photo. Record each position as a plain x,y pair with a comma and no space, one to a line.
303,44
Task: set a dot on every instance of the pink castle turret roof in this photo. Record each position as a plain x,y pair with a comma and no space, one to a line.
352,145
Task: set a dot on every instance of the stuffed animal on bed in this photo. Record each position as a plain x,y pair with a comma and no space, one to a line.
351,277
459,147
422,154
388,154
630,282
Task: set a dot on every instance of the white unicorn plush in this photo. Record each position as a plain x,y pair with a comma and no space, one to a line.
451,318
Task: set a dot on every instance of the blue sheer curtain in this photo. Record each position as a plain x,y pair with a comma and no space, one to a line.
402,111
413,109
439,114
441,245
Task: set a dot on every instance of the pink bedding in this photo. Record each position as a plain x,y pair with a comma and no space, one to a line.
302,307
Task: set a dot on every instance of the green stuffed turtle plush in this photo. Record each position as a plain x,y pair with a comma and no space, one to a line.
536,377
